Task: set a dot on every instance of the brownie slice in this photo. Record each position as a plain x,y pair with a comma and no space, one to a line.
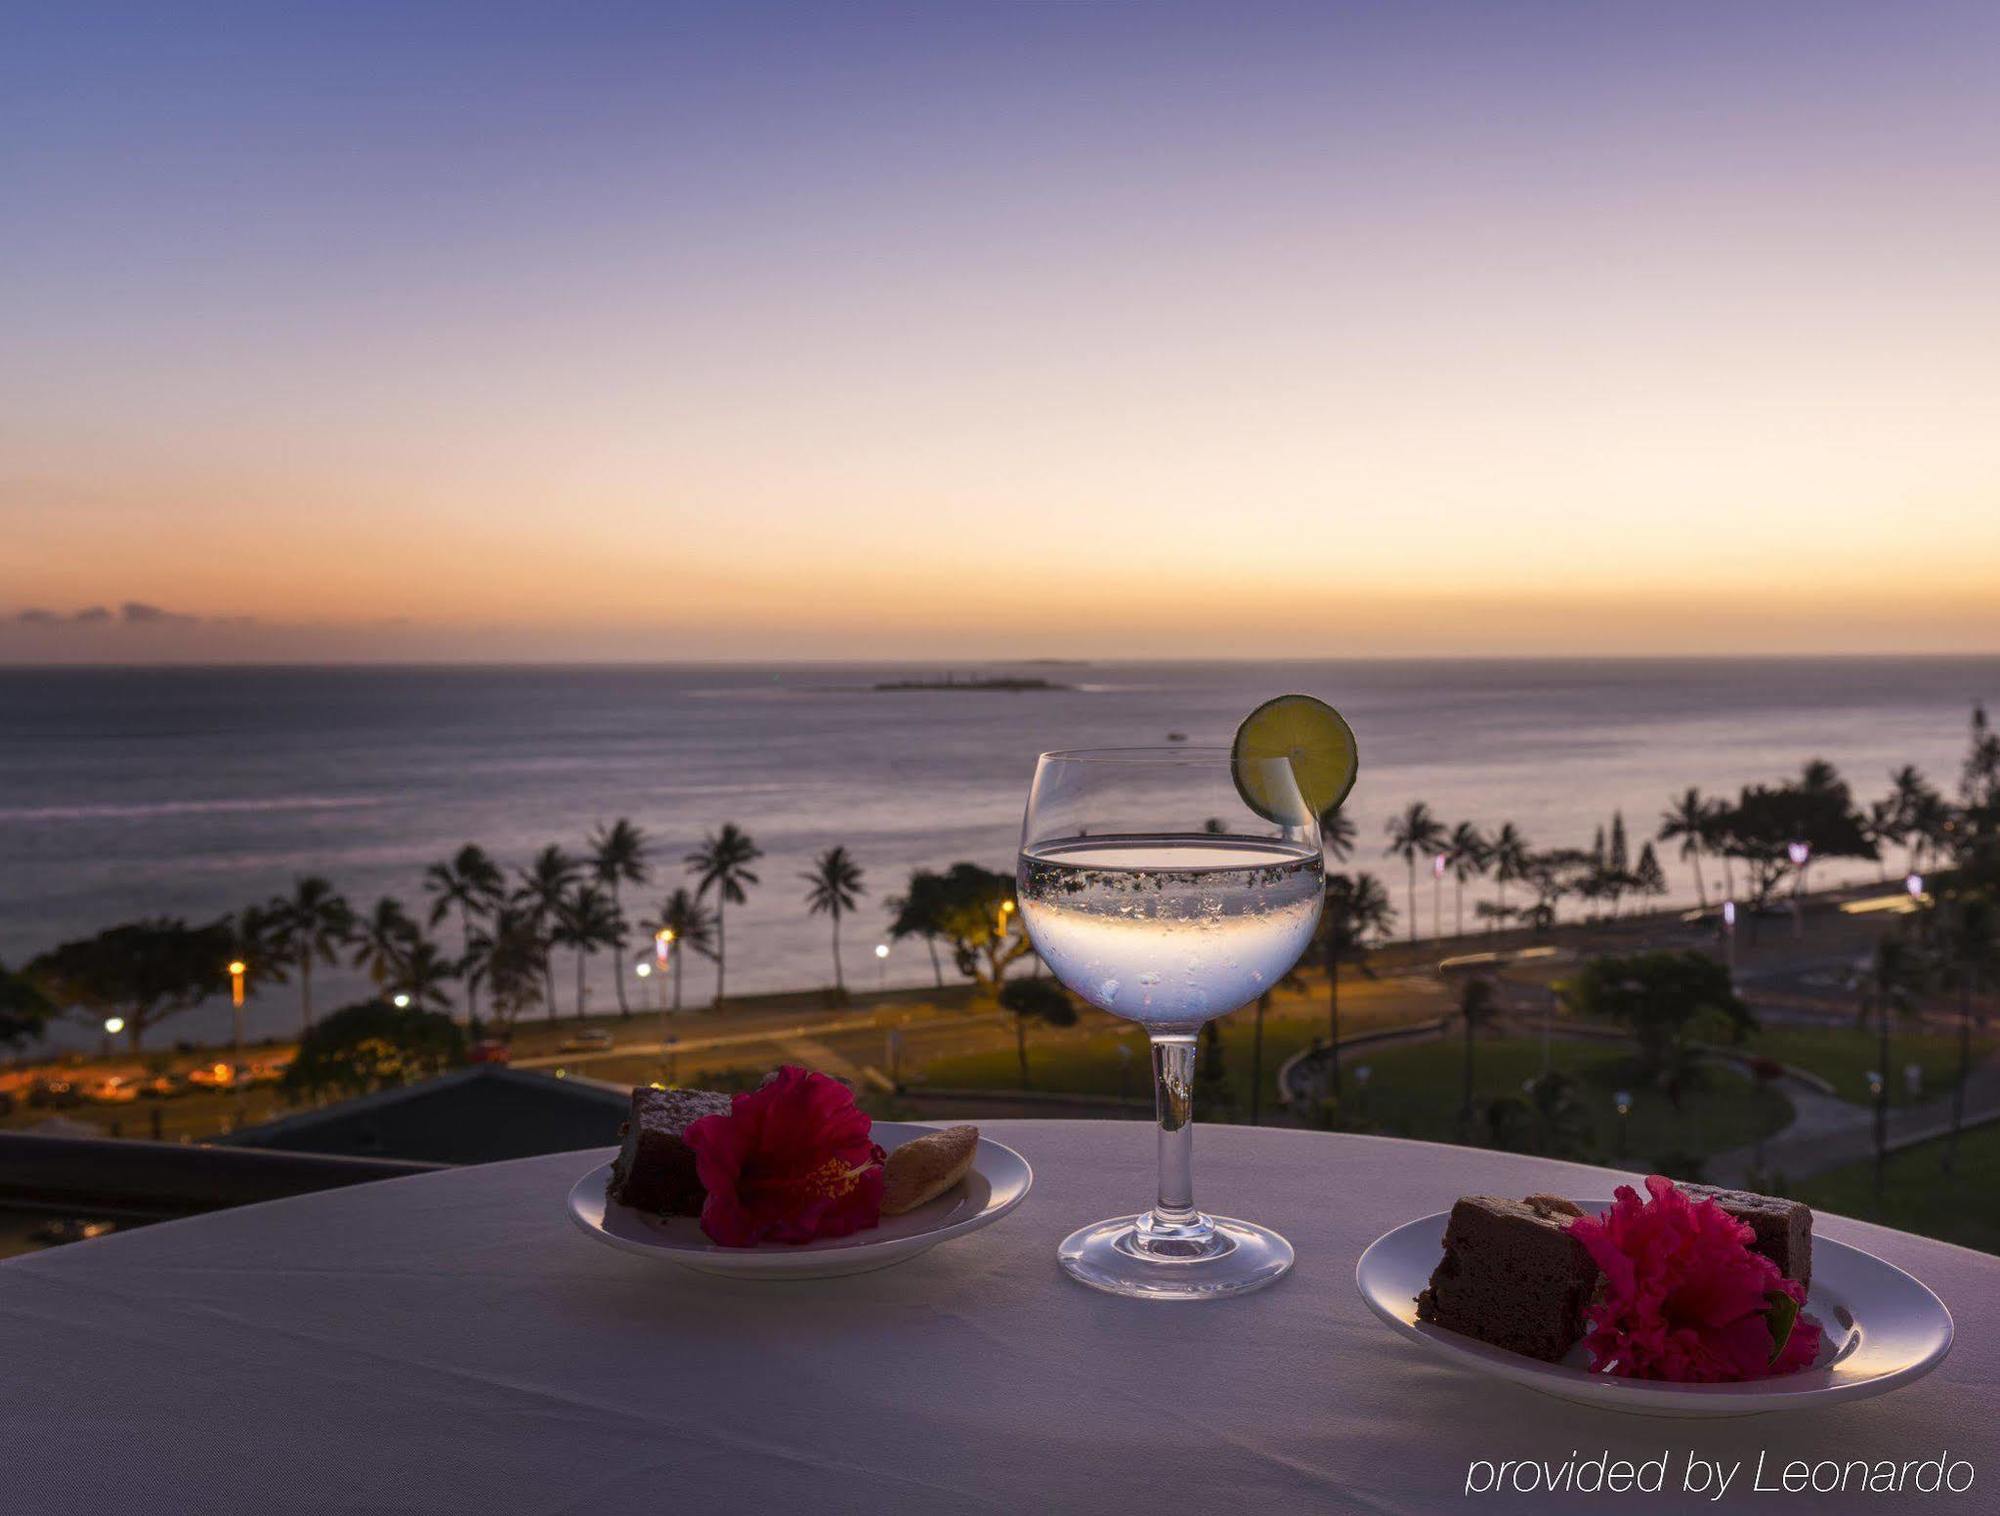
654,1170
1512,1276
1783,1227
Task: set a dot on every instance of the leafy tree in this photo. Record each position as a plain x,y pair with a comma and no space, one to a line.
144,971
722,863
917,912
1667,1001
1685,820
371,1046
24,1009
381,939
1039,1000
1356,913
309,926
470,883
833,885
1477,1005
544,886
585,921
618,857
1553,874
1415,834
976,916
1648,878
1767,819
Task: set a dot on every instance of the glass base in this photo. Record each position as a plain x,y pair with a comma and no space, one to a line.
1214,1257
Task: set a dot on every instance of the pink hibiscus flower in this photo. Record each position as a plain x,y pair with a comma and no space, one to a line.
1683,1297
791,1162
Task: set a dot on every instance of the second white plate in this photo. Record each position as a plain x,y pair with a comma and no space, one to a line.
1880,1329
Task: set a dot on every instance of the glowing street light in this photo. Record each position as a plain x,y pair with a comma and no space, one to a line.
1729,935
113,1025
1623,1101
400,1000
882,958
238,972
1801,854
1915,885
663,945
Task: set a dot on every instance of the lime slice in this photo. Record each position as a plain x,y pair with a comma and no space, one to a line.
1314,736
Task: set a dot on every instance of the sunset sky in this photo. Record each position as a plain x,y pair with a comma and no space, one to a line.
761,331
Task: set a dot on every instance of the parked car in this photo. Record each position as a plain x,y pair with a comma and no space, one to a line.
54,1094
588,1042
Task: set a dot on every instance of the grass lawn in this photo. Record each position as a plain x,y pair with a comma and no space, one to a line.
1846,1054
1414,1088
1917,1196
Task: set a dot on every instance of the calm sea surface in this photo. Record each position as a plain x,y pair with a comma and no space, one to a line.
194,792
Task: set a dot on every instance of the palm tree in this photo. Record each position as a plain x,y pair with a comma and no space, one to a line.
1476,1007
833,884
1412,835
471,883
544,886
1337,835
1509,851
381,938
1717,840
586,921
311,923
1972,948
1357,911
1470,854
1289,980
1932,822
1895,975
507,954
1883,828
422,973
618,856
1910,791
722,863
1686,818
689,925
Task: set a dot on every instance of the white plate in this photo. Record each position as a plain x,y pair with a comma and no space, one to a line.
999,1181
1879,1329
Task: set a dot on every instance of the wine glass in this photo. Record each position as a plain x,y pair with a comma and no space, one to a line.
1156,890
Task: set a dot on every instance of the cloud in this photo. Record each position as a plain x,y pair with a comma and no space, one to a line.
129,613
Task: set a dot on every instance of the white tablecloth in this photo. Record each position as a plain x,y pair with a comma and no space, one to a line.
451,1343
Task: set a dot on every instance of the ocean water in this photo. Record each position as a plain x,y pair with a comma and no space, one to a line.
194,792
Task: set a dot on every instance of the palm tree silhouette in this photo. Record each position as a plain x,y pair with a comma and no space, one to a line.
1356,912
544,886
422,972
618,856
1412,835
1476,1007
722,863
1686,818
1470,854
918,912
508,955
586,921
1508,851
691,925
833,884
1337,835
313,922
381,938
1883,828
471,883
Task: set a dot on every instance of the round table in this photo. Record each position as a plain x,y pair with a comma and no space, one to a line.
450,1342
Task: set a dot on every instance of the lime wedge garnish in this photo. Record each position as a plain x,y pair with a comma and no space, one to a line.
1314,736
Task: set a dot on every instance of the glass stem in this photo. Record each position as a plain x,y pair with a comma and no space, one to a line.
1174,1214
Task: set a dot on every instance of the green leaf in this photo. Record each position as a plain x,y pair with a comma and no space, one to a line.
1781,1316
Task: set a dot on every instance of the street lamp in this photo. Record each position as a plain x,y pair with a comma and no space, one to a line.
1914,883
238,971
1801,854
663,945
1437,896
1623,1101
1729,935
881,965
400,1000
113,1025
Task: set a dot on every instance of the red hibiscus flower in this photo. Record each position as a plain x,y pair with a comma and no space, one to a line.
791,1162
1684,1298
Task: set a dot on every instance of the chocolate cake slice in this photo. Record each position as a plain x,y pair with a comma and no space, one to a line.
1783,1227
654,1170
1512,1276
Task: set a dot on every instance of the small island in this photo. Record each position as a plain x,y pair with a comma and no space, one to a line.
992,682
